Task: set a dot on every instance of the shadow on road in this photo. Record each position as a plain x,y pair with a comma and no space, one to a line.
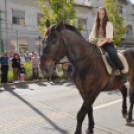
11,90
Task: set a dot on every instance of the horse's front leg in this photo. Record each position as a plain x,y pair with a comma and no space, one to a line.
80,117
91,121
84,110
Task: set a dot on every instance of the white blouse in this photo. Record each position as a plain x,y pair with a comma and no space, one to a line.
109,33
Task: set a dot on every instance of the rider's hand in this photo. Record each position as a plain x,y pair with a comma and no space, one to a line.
91,41
99,44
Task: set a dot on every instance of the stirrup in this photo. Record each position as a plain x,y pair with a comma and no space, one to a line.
124,78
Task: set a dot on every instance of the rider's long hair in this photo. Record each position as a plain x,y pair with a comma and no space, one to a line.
104,22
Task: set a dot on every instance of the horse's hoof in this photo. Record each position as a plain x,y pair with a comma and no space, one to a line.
124,115
88,132
128,123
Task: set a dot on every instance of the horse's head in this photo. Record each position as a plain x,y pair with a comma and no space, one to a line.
53,48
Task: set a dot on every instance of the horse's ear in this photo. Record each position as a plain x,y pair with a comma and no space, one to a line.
60,26
48,23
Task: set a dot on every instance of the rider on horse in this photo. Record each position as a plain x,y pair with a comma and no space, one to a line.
103,29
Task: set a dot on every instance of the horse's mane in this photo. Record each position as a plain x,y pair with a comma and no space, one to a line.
73,29
68,27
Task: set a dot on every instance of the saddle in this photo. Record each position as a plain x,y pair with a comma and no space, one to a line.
110,66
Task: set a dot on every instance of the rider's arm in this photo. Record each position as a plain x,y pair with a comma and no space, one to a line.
109,33
92,35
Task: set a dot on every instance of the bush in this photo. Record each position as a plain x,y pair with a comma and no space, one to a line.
28,72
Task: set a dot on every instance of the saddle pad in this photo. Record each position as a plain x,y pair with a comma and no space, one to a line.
109,67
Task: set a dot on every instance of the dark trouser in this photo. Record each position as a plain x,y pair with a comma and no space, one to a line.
65,74
109,47
70,73
35,73
52,77
4,71
16,72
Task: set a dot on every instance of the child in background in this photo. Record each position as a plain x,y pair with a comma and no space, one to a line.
35,66
16,67
30,57
22,58
22,72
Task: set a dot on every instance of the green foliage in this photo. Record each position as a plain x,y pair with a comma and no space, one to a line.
57,10
60,71
28,67
114,16
80,27
29,74
10,75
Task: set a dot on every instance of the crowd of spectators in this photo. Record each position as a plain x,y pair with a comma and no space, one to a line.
17,62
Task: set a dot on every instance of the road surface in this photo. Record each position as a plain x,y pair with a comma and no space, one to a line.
51,108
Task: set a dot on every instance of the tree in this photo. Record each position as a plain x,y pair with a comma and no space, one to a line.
113,11
56,10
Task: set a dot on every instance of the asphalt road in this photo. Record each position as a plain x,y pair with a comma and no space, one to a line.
46,108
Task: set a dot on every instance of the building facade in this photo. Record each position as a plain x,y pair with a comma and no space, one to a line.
24,15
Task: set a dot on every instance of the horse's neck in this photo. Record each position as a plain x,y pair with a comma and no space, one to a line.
77,48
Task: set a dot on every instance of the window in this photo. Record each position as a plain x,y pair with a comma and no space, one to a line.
22,45
84,22
18,17
39,17
129,30
125,1
121,9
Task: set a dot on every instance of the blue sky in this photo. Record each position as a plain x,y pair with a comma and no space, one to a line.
132,1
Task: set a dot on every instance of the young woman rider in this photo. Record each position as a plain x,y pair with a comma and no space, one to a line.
103,29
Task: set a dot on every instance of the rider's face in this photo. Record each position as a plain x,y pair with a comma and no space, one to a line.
101,14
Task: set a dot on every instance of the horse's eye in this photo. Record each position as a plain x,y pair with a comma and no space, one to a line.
54,41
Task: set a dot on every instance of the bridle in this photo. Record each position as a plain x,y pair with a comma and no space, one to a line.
53,58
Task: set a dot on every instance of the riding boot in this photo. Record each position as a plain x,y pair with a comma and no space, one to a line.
124,78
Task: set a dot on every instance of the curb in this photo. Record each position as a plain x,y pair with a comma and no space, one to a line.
26,82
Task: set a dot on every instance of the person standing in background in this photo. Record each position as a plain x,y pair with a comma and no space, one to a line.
70,70
16,67
10,61
4,67
27,56
35,66
22,72
30,56
22,58
65,68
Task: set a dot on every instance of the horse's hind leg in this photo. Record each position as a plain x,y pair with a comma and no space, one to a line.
129,116
123,90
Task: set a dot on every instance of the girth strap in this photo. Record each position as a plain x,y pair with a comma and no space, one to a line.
109,81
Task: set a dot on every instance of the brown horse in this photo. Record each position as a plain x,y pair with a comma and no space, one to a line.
90,75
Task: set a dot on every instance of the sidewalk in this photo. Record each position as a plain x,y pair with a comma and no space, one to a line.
26,82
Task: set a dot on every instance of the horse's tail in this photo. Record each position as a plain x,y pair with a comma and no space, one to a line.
129,54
